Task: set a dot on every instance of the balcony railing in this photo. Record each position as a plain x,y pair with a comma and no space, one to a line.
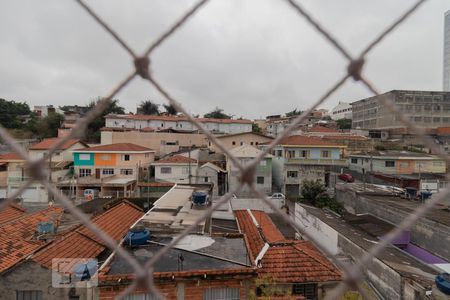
320,161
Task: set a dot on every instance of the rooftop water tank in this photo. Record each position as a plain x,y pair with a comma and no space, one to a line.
137,236
200,198
84,271
45,227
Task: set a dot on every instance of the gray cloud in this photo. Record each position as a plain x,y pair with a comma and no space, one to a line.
252,58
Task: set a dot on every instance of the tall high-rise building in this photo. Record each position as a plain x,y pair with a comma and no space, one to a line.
446,85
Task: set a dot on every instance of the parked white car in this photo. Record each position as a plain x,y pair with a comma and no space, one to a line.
277,196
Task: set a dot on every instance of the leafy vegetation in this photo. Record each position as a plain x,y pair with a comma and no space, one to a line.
344,123
294,112
170,109
256,128
93,131
314,192
217,113
13,115
147,107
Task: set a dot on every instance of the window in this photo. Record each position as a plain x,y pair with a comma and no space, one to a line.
221,294
105,157
241,143
84,156
185,170
307,290
292,174
206,179
233,143
108,171
140,297
290,153
279,153
126,157
325,153
260,180
85,172
28,295
251,143
304,153
126,171
166,170
389,163
263,163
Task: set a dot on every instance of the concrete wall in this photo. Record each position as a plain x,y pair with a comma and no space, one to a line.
233,141
425,233
179,173
30,276
326,236
155,140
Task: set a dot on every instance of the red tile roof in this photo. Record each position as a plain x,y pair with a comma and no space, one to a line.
85,244
10,156
345,137
286,261
177,118
17,237
128,147
300,140
46,144
176,159
11,212
318,128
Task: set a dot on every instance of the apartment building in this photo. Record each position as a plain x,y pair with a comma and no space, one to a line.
425,109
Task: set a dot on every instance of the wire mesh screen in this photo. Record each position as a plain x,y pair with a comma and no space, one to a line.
353,274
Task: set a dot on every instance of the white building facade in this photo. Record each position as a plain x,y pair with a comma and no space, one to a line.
342,111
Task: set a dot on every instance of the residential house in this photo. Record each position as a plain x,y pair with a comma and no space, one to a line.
163,142
300,157
42,111
28,272
63,153
231,141
176,169
211,173
263,175
20,236
289,268
397,162
112,169
201,266
401,168
224,126
11,170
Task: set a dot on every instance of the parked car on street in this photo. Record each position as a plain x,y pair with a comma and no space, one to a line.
277,196
347,177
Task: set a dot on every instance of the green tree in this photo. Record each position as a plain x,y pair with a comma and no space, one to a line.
147,107
256,128
294,112
48,126
170,109
312,191
344,123
13,114
93,131
217,113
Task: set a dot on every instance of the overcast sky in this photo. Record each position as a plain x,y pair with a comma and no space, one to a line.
250,57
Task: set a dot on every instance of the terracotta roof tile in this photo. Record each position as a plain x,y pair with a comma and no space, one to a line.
129,147
345,137
177,118
10,156
176,159
318,128
83,243
46,144
300,140
11,212
16,236
287,261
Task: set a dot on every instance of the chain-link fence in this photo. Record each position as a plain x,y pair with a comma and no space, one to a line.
353,275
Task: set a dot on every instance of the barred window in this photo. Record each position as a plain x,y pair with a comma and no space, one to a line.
28,295
221,294
307,290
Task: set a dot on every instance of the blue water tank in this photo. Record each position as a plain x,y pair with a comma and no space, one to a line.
45,227
137,236
200,198
443,283
84,271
